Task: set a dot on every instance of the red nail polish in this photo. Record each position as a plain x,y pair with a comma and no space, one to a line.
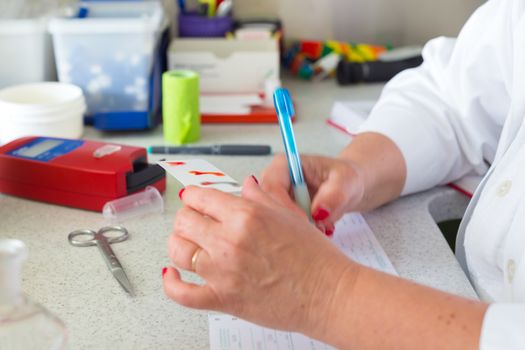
329,232
164,270
181,192
320,214
255,179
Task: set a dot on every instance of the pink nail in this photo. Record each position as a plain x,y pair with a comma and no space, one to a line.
164,270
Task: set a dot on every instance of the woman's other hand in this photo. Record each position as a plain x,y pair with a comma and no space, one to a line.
369,172
336,186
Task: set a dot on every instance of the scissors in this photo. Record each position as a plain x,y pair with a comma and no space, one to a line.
102,239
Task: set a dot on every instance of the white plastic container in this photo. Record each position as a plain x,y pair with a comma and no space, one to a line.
136,205
41,109
27,54
110,53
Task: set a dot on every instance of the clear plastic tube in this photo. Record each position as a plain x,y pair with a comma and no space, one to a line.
142,203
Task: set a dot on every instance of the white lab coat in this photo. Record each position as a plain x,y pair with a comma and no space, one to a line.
462,110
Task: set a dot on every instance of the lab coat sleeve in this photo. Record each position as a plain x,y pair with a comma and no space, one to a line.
503,327
446,115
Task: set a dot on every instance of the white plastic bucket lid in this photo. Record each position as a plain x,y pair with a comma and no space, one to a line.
46,97
76,111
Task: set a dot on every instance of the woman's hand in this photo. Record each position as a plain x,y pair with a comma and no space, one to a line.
336,186
369,172
259,259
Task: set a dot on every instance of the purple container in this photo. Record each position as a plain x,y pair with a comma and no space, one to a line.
192,25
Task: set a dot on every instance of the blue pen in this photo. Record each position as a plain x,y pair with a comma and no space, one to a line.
285,111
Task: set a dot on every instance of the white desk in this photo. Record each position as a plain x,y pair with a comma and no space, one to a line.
75,284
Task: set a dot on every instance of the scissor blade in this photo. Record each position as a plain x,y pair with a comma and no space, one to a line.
121,277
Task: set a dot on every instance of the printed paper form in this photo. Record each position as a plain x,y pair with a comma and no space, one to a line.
231,333
355,238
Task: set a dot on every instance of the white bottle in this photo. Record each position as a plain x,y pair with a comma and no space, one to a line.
24,325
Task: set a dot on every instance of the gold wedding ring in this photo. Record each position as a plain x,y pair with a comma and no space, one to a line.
194,259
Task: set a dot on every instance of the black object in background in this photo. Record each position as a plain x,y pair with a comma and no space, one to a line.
375,71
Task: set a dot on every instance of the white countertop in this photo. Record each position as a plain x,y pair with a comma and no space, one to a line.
75,284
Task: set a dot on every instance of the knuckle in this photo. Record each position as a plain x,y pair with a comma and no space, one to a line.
172,244
181,220
174,251
171,240
179,217
173,254
247,216
347,169
249,211
202,195
196,194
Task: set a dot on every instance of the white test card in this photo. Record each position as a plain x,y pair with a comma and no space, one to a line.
198,172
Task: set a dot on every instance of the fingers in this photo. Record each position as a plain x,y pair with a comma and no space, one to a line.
210,202
195,228
335,194
252,191
275,181
181,251
188,294
276,175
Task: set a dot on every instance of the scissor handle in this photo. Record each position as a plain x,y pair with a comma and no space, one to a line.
114,239
86,242
91,237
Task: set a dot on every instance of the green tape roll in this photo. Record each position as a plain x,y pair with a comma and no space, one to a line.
180,106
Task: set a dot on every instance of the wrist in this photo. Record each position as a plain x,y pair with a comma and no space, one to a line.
380,165
331,300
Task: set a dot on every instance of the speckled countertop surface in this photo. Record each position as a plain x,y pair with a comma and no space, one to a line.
75,284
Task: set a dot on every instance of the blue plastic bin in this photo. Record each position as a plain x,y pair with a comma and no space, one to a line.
112,50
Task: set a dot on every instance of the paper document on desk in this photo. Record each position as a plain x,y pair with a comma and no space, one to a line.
355,238
348,116
231,333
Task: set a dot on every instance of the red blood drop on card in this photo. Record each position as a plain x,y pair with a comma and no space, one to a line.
197,173
176,163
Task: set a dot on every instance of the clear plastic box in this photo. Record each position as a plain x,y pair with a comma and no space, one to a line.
112,52
27,54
